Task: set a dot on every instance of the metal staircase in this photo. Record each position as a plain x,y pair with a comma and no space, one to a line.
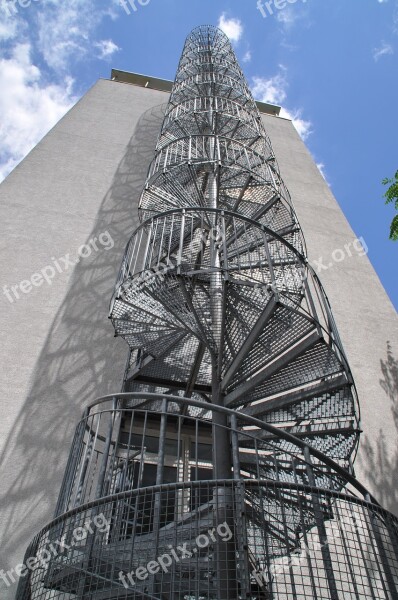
234,436
216,278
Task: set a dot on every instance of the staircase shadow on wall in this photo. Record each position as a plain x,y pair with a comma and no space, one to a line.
381,467
80,360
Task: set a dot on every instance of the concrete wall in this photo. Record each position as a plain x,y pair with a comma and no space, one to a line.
58,351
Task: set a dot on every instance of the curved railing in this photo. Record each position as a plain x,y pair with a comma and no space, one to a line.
175,247
217,274
264,200
109,549
218,146
177,241
205,39
215,149
208,63
231,116
286,529
120,434
219,86
234,438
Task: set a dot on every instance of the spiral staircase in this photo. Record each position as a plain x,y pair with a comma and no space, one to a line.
238,423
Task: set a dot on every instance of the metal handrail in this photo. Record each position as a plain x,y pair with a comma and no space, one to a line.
213,483
277,432
199,209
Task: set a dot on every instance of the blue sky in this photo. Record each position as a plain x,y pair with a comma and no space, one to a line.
332,65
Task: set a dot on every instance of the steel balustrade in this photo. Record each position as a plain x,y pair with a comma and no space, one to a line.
223,471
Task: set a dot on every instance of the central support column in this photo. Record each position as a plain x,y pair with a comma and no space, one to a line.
225,553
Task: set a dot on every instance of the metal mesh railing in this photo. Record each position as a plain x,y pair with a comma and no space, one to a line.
224,469
253,539
118,445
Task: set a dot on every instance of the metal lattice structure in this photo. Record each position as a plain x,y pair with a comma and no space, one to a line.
224,468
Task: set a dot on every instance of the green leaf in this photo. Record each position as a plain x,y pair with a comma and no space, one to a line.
394,229
391,195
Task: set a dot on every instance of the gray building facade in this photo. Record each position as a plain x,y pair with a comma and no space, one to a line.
67,212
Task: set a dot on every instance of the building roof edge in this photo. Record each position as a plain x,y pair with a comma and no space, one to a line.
165,85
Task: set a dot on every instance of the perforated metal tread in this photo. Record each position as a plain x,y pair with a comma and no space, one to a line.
238,407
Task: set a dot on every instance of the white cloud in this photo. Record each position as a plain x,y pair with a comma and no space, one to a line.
8,28
247,57
394,19
274,91
290,16
303,127
106,48
113,10
233,28
65,30
287,17
38,91
29,108
321,168
384,50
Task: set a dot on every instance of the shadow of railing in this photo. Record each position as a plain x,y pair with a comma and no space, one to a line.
79,359
381,464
